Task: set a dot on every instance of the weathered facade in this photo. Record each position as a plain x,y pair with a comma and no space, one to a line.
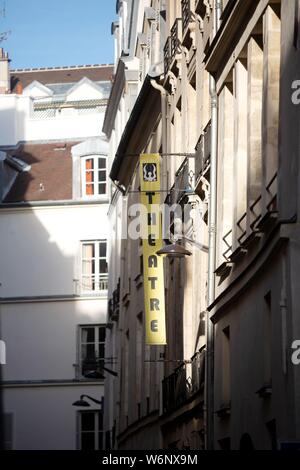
215,99
53,229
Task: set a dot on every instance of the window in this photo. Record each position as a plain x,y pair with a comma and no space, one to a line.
94,275
8,431
90,430
93,176
226,385
92,350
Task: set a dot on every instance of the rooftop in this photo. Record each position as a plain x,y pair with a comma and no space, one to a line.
60,75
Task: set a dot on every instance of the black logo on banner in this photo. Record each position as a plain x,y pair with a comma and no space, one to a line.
150,172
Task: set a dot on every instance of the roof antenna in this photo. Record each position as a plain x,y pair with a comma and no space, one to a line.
4,35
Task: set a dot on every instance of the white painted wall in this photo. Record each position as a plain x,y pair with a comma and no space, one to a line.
40,256
40,246
44,418
17,123
42,338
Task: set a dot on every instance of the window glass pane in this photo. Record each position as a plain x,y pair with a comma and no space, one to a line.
89,164
88,250
87,421
102,176
100,442
100,421
101,350
88,441
101,163
103,266
88,267
101,335
89,177
103,250
88,352
102,188
88,335
89,189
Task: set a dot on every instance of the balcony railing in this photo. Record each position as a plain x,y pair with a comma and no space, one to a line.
178,387
200,7
186,14
184,183
173,45
93,284
114,304
203,152
52,109
175,38
167,55
257,220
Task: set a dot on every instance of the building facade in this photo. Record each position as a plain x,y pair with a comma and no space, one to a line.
217,99
54,275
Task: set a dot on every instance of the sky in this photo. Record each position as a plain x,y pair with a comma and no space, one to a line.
53,33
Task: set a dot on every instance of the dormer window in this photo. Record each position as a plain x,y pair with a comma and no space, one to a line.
93,176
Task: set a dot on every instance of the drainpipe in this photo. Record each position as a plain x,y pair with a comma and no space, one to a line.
163,94
164,113
209,369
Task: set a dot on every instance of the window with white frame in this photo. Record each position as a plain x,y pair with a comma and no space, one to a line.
93,176
90,430
94,274
91,350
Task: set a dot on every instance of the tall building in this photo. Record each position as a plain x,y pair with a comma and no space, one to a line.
217,98
53,274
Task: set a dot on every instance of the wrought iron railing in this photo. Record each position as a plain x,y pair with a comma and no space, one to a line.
52,109
203,152
114,304
178,387
255,213
183,184
228,243
198,371
186,14
272,194
242,228
175,39
91,283
167,55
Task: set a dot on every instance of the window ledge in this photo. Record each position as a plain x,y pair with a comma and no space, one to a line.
224,411
92,295
138,280
265,391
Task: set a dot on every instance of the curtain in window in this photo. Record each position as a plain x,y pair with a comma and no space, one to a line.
88,266
89,177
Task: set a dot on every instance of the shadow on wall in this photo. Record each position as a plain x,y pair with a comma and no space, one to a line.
38,258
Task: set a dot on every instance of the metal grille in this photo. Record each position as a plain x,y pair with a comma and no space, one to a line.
44,113
114,304
54,108
167,55
186,14
184,182
175,42
178,387
203,151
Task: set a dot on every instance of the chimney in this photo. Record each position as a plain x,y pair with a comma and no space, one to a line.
4,72
19,88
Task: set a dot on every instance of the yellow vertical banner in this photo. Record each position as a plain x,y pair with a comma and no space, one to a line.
151,229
